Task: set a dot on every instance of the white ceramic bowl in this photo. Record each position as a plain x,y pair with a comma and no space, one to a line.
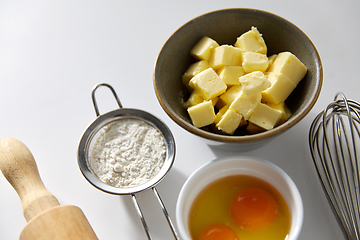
235,165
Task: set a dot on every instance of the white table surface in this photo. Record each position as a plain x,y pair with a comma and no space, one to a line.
52,53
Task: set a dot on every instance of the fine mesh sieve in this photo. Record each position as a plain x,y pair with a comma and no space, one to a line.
113,116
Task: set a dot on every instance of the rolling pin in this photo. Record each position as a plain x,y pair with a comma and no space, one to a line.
46,218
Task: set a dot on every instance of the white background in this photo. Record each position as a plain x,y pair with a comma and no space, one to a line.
52,53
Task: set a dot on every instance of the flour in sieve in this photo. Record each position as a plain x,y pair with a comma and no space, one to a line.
127,153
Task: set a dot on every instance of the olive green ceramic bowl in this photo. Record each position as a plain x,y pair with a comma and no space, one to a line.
224,26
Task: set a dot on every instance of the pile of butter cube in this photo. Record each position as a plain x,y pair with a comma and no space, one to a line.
240,86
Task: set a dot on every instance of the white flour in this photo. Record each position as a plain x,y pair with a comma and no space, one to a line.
127,153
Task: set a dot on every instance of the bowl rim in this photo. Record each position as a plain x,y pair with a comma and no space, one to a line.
194,178
247,138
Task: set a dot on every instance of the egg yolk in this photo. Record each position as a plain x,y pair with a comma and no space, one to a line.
253,209
217,232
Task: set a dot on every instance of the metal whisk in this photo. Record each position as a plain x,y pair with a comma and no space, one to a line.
334,139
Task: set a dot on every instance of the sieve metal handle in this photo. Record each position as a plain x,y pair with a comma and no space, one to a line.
94,100
143,221
138,209
165,213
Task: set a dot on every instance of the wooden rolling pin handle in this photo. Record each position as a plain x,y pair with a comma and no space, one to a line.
19,168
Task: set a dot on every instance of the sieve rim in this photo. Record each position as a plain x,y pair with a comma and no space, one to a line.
124,113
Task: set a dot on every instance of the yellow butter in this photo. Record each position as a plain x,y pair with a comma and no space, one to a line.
245,105
203,48
229,122
220,104
264,116
271,61
192,70
252,41
220,113
225,55
252,61
241,81
202,114
194,98
208,84
289,65
281,87
285,112
214,100
230,94
254,83
230,74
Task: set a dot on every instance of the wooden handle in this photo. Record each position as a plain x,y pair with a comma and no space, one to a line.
19,168
63,222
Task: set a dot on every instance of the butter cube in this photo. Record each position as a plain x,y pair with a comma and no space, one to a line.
271,61
254,83
203,48
264,116
252,61
281,87
225,55
229,122
202,114
220,113
231,93
285,112
252,41
245,105
208,84
194,98
220,104
214,100
230,74
289,65
192,70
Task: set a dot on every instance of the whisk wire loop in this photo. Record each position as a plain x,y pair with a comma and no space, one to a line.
333,138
